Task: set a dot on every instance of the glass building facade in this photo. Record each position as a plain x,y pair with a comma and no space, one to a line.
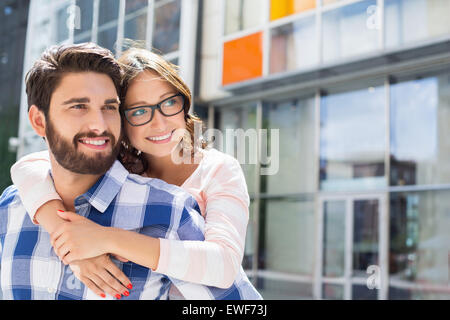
358,91
349,187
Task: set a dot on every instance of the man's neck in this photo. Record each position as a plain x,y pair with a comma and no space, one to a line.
70,185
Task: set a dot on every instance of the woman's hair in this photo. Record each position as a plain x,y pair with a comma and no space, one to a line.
134,61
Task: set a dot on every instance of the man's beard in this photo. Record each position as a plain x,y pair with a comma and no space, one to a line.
69,157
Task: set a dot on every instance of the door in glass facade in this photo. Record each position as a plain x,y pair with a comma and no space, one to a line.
352,254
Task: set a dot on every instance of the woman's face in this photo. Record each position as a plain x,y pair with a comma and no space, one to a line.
162,134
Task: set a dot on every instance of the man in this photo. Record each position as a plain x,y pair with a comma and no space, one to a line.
73,104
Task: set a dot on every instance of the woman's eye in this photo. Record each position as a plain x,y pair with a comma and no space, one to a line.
170,103
138,112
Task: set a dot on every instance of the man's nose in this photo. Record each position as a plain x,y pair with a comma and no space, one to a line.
97,122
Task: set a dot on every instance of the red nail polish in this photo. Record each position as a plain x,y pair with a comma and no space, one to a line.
60,211
118,296
130,286
126,293
102,295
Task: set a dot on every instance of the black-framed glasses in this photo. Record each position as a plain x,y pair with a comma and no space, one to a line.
138,116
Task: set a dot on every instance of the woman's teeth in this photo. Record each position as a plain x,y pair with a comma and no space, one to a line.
160,137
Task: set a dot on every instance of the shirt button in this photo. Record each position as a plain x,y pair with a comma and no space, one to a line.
51,290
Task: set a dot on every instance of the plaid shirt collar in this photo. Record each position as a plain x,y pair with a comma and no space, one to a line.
103,192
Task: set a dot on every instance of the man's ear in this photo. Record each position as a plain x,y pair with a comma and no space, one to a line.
37,120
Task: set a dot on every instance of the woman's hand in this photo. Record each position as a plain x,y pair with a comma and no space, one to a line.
102,276
77,239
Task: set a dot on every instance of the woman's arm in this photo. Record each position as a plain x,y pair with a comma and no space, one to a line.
217,260
31,175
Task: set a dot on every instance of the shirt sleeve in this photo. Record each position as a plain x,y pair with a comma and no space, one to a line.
217,260
31,175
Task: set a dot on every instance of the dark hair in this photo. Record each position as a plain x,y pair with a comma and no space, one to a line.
46,73
133,62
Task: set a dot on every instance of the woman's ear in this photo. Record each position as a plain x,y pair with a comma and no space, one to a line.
37,120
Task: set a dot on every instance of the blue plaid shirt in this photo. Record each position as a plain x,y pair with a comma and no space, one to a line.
30,268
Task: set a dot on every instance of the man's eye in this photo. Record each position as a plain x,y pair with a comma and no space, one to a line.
111,107
138,112
78,106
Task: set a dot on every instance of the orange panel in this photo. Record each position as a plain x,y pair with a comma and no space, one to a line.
242,59
283,8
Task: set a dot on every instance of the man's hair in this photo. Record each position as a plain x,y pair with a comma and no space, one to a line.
47,72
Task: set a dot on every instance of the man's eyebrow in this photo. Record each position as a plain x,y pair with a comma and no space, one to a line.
77,100
112,100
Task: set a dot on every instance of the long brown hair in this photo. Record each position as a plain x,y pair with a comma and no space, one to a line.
133,62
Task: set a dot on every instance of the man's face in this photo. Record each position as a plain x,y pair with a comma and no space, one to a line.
83,126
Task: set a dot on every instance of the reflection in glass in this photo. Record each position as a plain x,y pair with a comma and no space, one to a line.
244,118
295,121
242,14
419,242
272,289
414,20
166,29
287,236
86,12
346,31
334,238
107,38
134,5
362,292
420,148
293,46
332,291
365,236
352,140
108,11
136,28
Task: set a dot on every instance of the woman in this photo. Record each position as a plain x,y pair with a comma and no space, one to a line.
159,133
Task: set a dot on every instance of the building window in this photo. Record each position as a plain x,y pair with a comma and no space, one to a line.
294,46
294,119
420,131
353,139
166,28
414,20
242,15
419,238
345,32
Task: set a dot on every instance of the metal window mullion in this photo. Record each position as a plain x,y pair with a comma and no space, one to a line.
120,28
150,18
256,205
319,28
348,248
318,278
317,202
95,10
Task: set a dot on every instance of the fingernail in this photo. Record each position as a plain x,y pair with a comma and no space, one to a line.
102,295
60,211
126,293
130,286
118,296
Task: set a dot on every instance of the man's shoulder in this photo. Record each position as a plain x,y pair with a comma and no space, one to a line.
10,196
154,188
